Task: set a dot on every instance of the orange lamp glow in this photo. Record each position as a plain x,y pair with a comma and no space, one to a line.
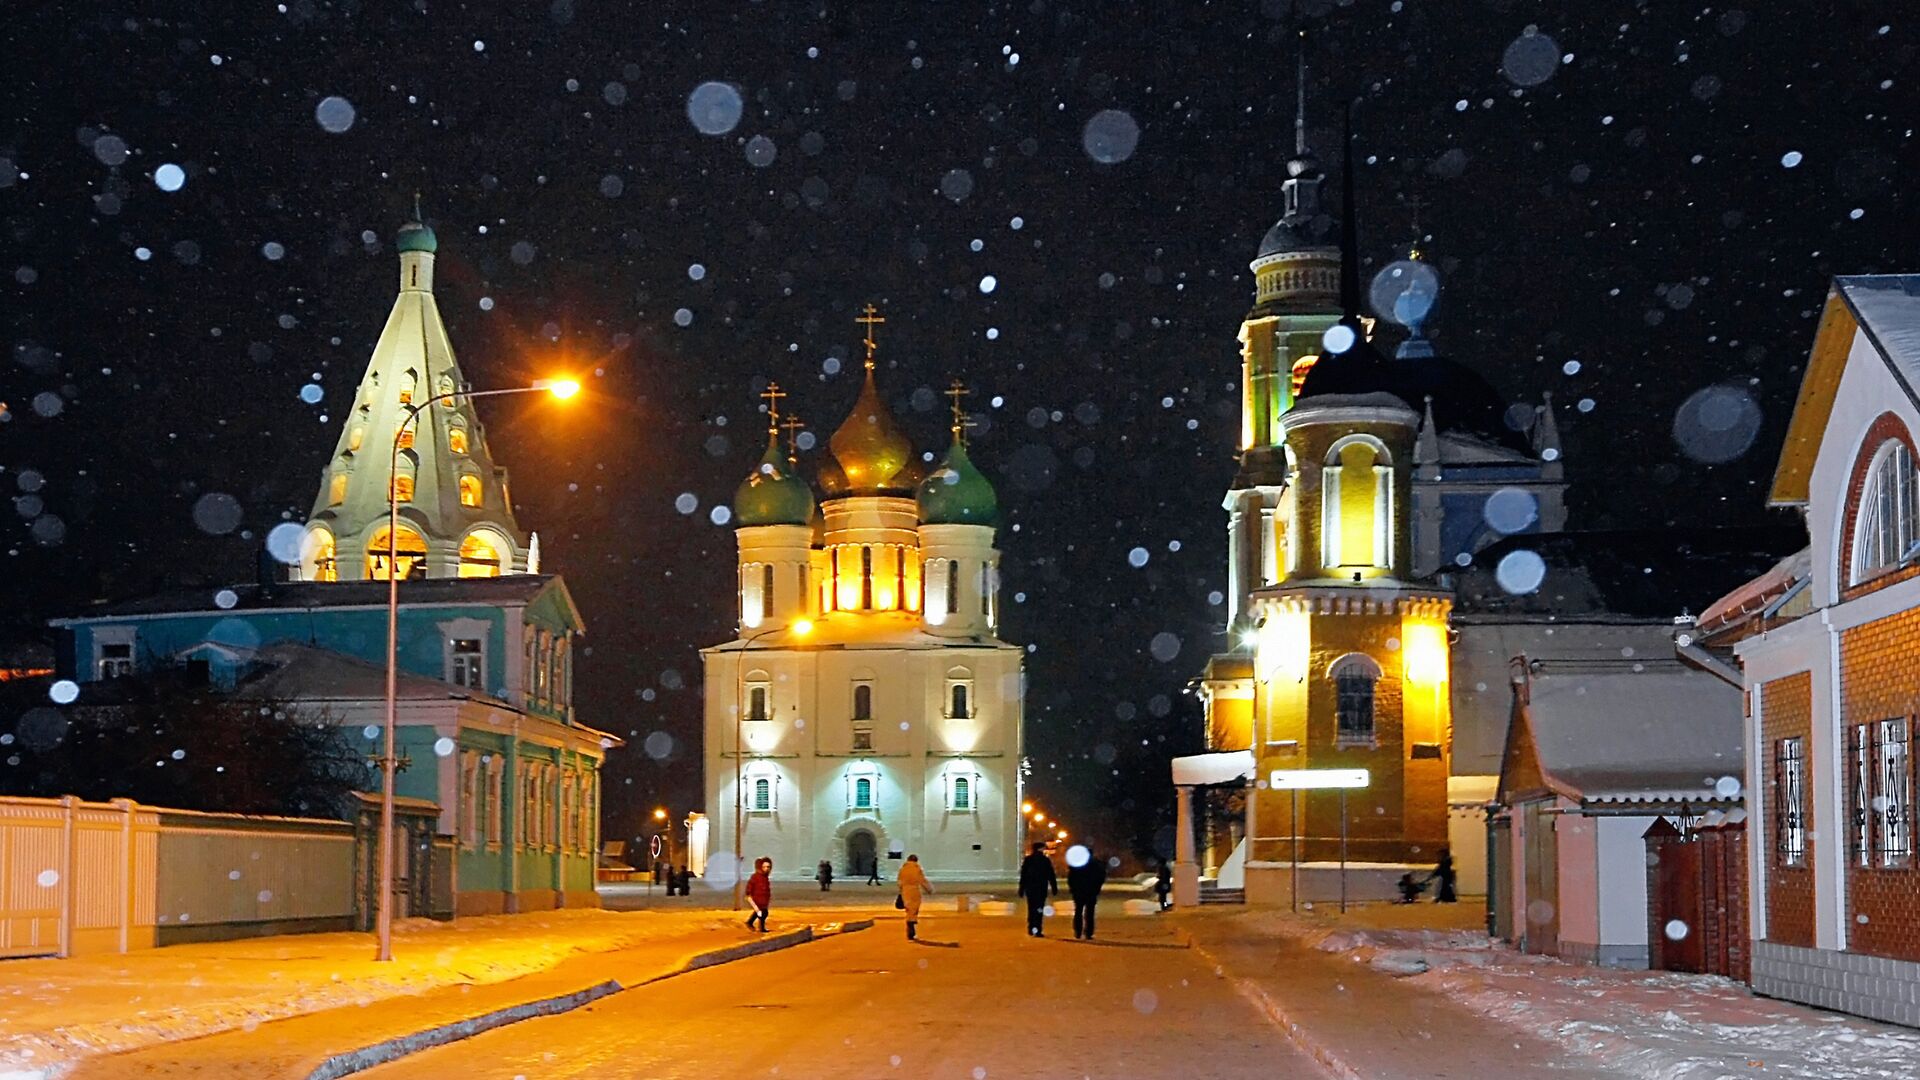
560,388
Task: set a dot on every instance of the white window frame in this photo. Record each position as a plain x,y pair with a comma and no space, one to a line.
955,778
963,679
113,667
754,780
1886,524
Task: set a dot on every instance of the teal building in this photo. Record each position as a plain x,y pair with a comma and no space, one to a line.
485,723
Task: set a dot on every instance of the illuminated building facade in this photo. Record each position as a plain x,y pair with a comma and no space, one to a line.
1362,482
866,709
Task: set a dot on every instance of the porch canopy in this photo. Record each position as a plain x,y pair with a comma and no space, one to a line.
1199,770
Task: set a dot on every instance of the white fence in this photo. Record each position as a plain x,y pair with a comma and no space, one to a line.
81,877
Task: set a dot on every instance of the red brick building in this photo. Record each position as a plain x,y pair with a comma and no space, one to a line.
1829,651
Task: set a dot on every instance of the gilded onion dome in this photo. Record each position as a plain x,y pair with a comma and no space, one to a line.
871,455
957,494
773,494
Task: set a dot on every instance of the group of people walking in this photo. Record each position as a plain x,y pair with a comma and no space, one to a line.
912,881
1038,884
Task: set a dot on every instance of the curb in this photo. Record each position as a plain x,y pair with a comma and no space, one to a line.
1322,1054
390,1050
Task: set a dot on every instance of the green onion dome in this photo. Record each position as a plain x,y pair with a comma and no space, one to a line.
415,236
772,494
956,494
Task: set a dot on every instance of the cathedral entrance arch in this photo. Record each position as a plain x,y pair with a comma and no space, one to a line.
857,845
862,850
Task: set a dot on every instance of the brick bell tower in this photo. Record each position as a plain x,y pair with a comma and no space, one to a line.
1345,652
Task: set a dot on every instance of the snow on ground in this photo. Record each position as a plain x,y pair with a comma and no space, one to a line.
54,1012
1651,1025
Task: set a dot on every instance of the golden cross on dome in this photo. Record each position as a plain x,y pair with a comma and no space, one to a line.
794,426
773,394
957,391
872,318
416,208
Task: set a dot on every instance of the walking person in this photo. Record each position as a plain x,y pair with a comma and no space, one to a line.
1083,884
1163,885
824,876
1037,884
913,885
1443,873
760,892
873,869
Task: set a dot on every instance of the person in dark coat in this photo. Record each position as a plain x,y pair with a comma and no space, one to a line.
1083,884
824,876
1163,885
873,870
1037,884
1444,874
760,893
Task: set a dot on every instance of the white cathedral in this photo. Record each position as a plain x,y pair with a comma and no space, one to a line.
866,709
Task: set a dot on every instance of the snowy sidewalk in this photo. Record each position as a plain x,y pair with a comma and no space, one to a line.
1651,1025
58,1014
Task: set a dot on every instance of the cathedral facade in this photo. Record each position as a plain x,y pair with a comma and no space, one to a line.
866,708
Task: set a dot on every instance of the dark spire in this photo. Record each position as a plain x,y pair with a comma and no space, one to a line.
1349,231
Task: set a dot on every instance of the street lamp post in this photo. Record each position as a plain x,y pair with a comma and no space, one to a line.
800,628
383,919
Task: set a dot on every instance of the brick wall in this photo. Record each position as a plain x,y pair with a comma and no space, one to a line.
1786,711
1879,679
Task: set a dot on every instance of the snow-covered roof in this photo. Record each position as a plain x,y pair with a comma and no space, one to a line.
1229,767
1629,732
1758,594
1888,307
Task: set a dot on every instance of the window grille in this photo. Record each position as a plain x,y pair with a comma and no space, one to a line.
1354,678
756,703
960,704
953,586
962,793
766,591
1893,801
1859,784
863,793
763,794
1790,812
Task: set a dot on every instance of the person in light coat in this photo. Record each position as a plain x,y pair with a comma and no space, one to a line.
913,886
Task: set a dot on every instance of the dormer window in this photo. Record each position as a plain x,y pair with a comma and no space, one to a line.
1886,530
469,490
457,440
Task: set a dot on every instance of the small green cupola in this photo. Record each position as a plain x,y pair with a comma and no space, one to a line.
415,236
956,493
773,494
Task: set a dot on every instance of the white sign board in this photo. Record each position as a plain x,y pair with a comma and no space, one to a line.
1312,779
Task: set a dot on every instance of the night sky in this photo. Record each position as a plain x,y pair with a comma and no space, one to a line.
1658,217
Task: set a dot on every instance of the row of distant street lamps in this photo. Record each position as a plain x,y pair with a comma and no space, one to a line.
1049,829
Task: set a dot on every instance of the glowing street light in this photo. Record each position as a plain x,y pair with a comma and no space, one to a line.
1026,808
383,918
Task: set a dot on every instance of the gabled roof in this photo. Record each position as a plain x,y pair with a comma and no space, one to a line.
508,589
1623,732
1886,307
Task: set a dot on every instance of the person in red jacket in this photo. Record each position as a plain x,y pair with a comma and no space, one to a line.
760,893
